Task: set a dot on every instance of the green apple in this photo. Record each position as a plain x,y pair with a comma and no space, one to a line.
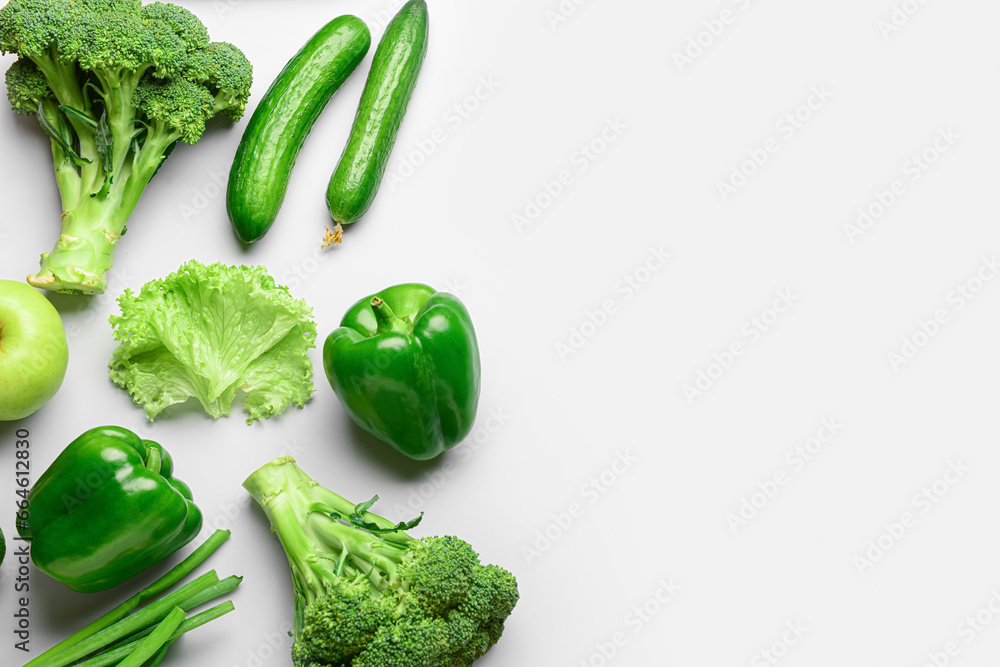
33,350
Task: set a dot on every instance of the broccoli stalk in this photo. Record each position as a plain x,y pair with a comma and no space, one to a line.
115,85
368,594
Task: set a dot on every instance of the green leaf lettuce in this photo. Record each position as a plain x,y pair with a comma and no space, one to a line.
208,331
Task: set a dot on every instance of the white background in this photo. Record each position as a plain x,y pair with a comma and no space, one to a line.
569,398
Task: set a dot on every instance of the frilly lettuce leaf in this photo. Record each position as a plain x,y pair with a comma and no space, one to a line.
208,331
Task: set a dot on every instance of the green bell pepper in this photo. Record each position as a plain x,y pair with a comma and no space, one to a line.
107,509
405,364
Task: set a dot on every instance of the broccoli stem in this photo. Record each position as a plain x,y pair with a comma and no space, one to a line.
81,258
320,548
68,90
94,219
92,227
67,174
62,78
116,95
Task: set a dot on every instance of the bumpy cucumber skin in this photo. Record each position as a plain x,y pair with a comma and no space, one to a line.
283,119
387,92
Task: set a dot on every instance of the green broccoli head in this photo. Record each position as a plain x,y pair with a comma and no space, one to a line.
27,87
32,27
490,600
174,107
439,572
367,593
337,625
187,27
228,75
451,611
215,80
109,5
118,44
120,84
408,640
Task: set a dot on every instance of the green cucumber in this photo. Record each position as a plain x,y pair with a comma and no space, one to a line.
390,84
282,121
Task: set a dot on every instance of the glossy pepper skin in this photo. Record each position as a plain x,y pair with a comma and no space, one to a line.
107,509
405,364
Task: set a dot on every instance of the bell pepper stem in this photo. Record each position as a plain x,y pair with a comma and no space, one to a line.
153,460
387,320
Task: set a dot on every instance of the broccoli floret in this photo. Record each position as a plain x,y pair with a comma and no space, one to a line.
27,87
367,594
439,572
410,641
118,84
191,32
223,69
174,107
31,27
339,624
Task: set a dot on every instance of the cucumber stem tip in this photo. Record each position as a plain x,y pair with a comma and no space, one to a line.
333,237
